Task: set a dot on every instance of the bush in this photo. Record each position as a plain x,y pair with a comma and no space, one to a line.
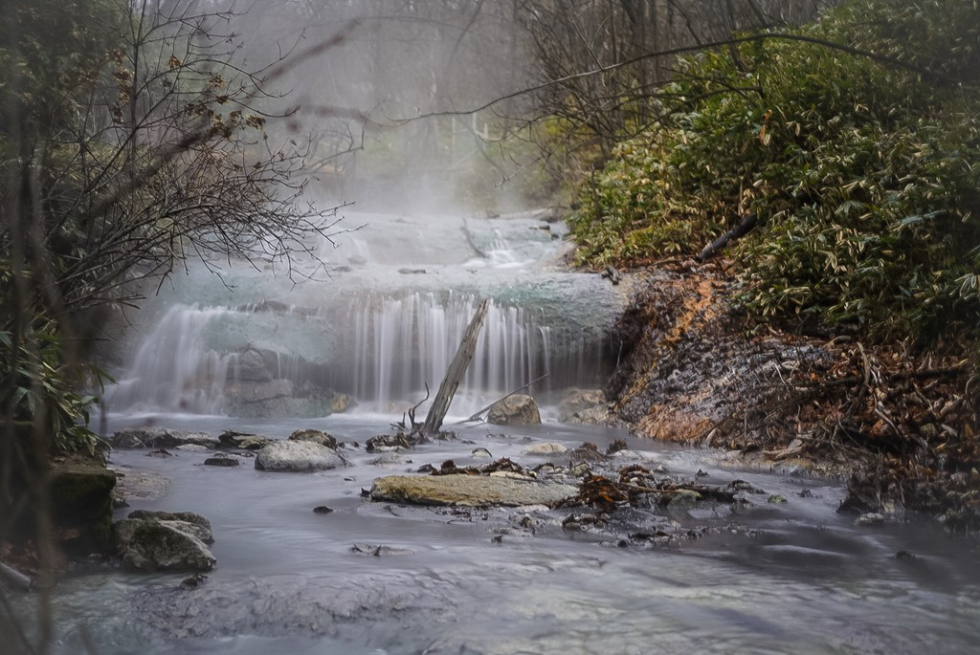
865,175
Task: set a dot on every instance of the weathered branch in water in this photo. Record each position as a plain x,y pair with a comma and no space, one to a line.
447,389
16,578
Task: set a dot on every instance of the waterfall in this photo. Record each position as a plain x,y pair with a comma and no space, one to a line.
386,321
400,345
172,367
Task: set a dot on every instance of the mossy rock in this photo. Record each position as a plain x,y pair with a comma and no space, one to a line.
81,504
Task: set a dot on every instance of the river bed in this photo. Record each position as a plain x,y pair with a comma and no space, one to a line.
794,577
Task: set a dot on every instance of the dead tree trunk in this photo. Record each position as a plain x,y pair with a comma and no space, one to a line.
739,230
447,389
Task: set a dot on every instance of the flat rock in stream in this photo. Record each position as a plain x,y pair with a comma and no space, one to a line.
297,456
132,438
468,490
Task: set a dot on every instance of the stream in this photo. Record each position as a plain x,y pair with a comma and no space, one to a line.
381,578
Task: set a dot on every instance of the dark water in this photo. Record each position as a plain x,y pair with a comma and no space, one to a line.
790,578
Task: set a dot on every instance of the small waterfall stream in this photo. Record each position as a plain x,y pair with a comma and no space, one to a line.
379,328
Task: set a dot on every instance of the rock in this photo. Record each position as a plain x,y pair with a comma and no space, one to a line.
341,402
249,366
297,456
163,546
481,453
546,448
322,509
776,499
379,550
515,410
192,448
242,441
258,392
389,459
134,484
468,490
132,438
578,406
203,526
221,461
193,581
315,436
81,500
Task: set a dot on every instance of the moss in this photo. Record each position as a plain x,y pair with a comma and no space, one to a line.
81,502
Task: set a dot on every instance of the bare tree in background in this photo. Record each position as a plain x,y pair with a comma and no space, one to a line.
134,136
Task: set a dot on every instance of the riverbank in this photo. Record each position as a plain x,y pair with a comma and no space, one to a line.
898,424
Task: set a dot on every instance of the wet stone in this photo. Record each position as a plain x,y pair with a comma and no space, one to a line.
297,457
468,490
546,448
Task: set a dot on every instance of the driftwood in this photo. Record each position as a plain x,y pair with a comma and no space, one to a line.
476,417
739,230
16,578
449,384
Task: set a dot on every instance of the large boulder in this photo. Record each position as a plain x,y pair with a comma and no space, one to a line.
163,541
468,490
515,410
584,406
315,436
297,456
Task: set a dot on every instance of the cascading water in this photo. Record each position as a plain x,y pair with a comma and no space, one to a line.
402,344
378,329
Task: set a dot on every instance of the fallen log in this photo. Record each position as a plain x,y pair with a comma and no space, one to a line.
457,368
739,230
16,578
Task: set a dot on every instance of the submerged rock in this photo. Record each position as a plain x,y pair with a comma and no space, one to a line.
221,461
164,541
315,436
472,490
515,410
297,456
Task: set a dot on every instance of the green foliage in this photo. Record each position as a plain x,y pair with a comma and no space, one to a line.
39,396
865,176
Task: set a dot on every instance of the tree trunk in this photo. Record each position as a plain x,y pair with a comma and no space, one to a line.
447,389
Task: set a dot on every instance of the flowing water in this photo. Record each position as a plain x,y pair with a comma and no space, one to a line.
792,578
766,578
377,316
